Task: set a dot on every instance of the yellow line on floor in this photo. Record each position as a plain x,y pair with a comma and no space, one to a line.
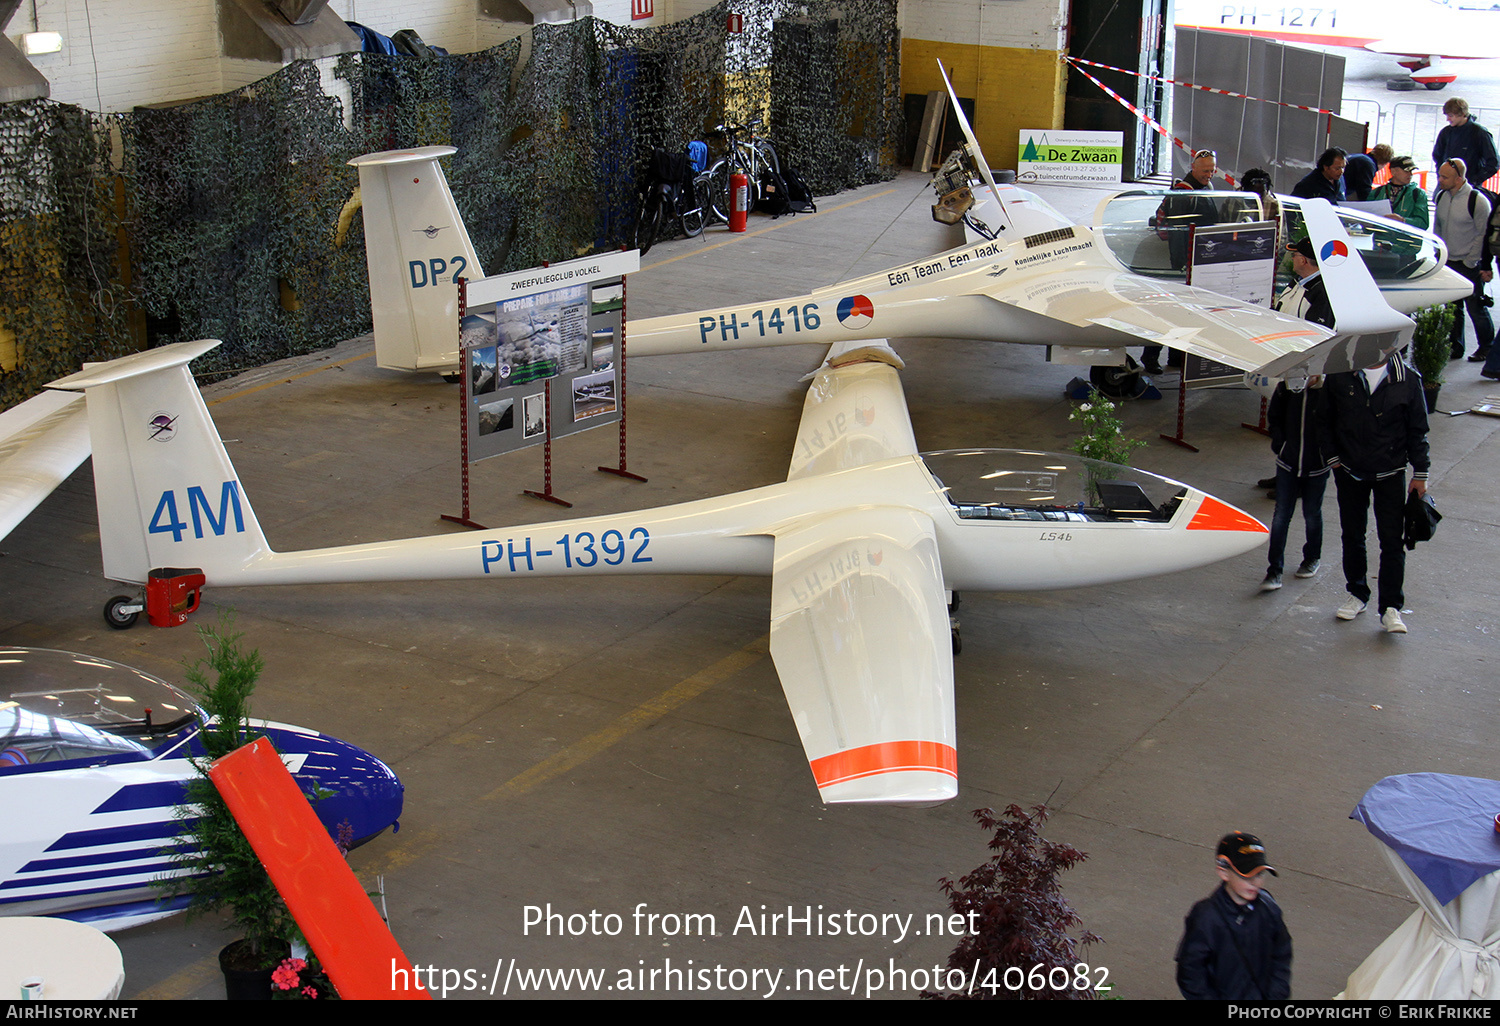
750,235
641,716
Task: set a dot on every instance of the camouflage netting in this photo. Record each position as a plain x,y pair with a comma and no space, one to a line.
218,219
62,299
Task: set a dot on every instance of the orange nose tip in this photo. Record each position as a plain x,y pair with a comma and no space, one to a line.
1214,515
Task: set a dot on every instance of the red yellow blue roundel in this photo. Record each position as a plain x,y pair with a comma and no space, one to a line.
1333,253
856,311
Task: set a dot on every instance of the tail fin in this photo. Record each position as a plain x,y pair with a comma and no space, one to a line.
415,247
167,494
1358,306
1368,329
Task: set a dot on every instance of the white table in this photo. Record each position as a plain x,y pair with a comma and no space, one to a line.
77,962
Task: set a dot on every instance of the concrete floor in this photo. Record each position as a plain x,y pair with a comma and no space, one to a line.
602,746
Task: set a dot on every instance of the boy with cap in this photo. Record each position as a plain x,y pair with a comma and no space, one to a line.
1235,946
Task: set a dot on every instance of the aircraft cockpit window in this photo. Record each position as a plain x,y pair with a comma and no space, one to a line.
1017,485
1147,230
57,706
1391,250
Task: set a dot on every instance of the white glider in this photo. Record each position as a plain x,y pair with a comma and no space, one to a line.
863,542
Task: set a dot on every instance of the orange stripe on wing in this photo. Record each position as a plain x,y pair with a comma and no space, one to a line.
886,757
1258,339
1214,515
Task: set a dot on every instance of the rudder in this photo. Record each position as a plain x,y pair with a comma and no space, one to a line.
166,491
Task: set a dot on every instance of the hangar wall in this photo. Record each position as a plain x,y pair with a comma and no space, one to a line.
1006,54
118,233
162,51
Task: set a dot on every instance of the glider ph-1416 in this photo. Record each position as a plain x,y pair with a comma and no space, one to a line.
1034,277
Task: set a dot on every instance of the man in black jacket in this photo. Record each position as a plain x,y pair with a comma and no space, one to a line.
1235,945
1326,181
1374,423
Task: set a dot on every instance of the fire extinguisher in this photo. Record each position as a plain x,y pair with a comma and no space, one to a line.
739,201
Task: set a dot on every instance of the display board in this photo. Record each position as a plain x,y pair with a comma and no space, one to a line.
1235,260
555,328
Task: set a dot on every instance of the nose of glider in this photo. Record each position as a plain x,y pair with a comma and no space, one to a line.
366,795
1223,529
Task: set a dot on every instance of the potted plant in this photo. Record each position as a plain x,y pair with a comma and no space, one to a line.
1430,348
220,868
1021,945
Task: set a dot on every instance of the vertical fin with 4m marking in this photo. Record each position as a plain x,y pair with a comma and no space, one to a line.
167,494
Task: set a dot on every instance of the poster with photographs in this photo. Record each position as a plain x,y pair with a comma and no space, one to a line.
534,408
1237,260
519,348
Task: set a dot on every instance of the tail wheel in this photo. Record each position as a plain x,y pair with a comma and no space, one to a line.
115,614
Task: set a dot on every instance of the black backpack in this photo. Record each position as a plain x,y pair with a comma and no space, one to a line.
798,194
773,194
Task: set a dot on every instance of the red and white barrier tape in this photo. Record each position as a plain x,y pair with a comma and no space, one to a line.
1190,85
1147,118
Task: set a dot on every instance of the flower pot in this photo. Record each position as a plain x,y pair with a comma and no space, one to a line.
1431,392
241,983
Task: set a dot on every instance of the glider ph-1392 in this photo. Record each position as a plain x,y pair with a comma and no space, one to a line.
863,542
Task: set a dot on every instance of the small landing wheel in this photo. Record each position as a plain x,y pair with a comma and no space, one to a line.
121,611
958,642
453,379
1434,86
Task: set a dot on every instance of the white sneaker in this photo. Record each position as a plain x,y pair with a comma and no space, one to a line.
1391,621
1350,609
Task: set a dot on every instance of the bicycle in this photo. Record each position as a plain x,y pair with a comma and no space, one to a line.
751,158
672,196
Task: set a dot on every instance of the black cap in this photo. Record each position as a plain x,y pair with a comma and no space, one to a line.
1404,163
1244,853
1305,247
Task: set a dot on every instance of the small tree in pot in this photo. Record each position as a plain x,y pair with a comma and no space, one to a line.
221,869
1430,348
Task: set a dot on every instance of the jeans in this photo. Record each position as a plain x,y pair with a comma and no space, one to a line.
1389,494
1484,328
1289,488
